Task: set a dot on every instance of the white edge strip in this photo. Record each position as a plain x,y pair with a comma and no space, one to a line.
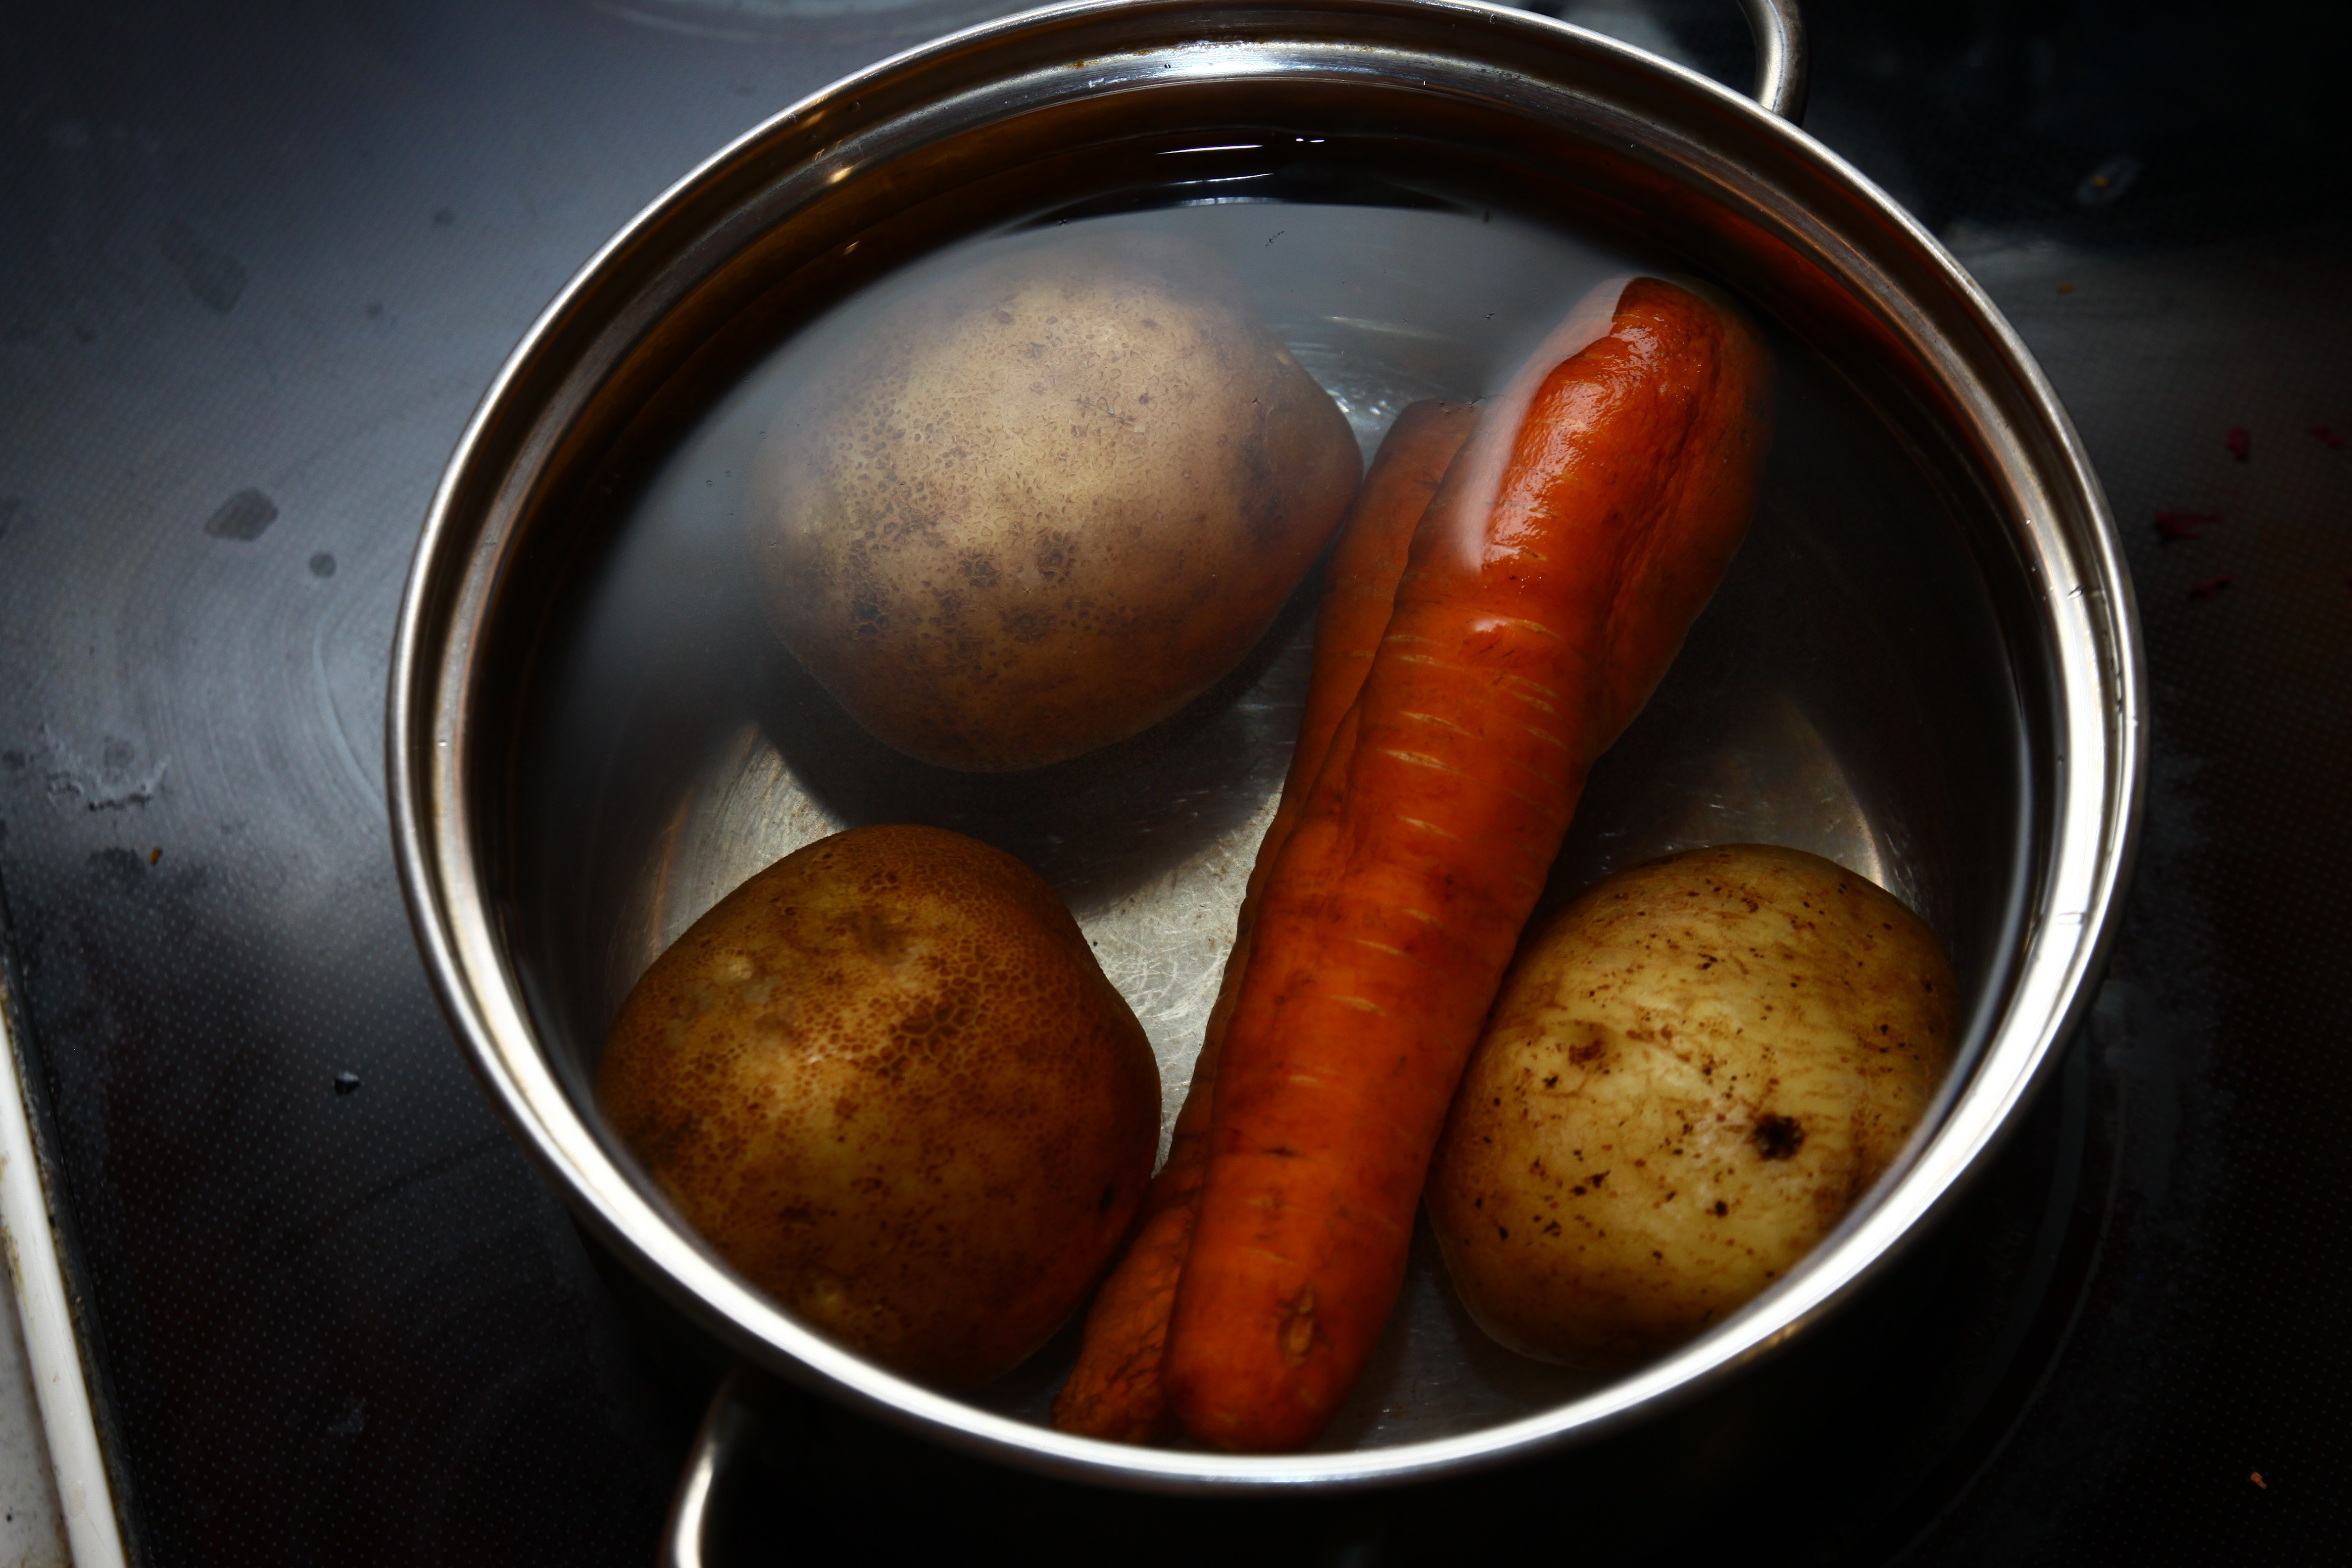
55,1354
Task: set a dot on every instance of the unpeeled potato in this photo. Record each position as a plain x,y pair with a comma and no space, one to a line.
886,1079
1038,506
1689,1076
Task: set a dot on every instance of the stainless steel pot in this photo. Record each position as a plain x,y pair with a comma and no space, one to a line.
1926,664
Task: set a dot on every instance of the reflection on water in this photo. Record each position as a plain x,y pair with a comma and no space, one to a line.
1768,777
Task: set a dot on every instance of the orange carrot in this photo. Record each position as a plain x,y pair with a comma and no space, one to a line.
1114,1391
1550,583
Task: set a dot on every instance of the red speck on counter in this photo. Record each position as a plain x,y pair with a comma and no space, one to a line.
2327,438
2211,586
2239,442
2172,525
2257,1478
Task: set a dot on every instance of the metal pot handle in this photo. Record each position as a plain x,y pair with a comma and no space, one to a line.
727,1429
1782,64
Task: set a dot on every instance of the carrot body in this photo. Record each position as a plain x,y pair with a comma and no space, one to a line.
1115,1391
1532,624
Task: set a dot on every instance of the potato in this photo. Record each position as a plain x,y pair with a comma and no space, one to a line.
1689,1076
1041,505
886,1079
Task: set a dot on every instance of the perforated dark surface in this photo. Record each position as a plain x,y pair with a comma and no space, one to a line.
256,267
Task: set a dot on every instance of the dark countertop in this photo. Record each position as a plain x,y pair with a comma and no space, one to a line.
258,261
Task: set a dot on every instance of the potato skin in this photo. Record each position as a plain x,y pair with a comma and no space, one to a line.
1042,505
1690,1074
886,1079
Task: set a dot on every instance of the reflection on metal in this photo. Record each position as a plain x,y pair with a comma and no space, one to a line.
731,1423
1768,777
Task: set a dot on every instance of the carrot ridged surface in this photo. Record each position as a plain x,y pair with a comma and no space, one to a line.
1531,626
1115,1392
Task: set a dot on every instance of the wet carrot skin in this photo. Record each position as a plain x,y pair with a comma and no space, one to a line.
1115,1390
1513,657
1366,567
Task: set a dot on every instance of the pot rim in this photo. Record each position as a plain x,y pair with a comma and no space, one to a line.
2084,608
